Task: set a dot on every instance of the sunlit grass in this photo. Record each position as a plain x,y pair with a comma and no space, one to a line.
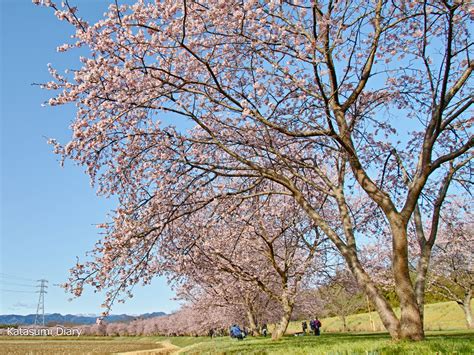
438,316
378,343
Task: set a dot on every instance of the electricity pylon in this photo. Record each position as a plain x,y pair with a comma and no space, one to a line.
40,308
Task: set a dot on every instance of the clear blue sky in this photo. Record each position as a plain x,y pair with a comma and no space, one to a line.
47,213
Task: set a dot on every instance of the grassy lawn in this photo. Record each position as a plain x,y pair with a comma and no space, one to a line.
460,342
447,342
438,316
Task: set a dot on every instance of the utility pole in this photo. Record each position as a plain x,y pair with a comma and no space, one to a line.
40,308
370,314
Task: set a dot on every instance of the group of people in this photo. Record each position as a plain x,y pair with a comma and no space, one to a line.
236,332
314,324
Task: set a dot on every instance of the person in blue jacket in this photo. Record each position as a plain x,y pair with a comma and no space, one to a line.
236,332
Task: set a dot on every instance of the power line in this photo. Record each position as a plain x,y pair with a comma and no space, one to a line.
8,283
17,291
10,276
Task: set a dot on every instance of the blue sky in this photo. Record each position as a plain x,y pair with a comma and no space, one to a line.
47,213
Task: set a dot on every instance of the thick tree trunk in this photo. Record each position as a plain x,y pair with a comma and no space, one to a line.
425,255
385,311
411,324
466,307
252,323
411,317
421,272
280,329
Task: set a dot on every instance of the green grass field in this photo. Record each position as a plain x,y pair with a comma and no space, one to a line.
446,316
375,343
438,316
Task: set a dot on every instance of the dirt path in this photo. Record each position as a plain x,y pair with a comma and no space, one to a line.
165,348
186,348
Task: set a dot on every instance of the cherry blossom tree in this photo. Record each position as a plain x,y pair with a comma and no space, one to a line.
309,305
248,306
363,105
231,302
452,274
260,244
192,319
342,296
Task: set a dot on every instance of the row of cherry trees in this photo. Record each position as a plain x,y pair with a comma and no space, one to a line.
317,126
257,253
188,321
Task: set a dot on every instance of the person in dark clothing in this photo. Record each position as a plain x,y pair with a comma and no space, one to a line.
264,330
304,326
311,325
317,327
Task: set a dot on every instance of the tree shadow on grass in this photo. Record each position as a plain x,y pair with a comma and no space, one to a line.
345,343
286,345
461,335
